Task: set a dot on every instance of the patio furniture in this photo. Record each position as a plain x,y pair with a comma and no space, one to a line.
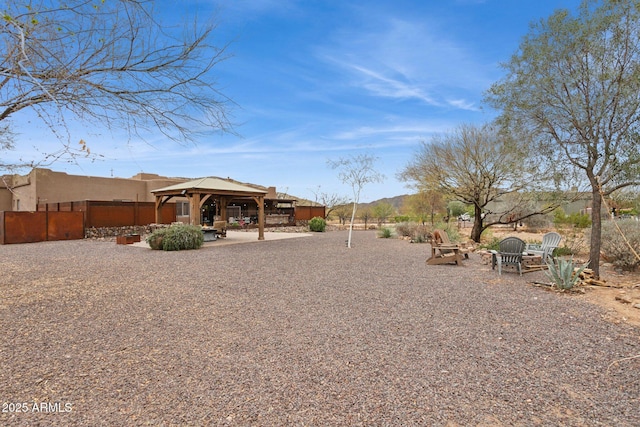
445,252
550,241
510,252
221,228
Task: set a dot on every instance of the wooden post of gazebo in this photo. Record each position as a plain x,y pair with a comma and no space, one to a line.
159,209
260,201
194,208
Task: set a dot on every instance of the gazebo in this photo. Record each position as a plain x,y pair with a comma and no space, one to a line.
198,191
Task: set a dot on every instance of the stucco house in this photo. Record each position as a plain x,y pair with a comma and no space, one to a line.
43,188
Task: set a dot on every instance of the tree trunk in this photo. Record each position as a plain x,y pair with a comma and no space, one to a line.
596,232
353,217
476,231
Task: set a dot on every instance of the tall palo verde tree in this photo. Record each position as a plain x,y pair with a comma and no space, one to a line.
574,86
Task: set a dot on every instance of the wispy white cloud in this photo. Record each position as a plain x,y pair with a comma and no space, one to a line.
381,85
404,59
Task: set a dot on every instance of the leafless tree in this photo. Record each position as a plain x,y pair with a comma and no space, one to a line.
111,63
356,171
331,201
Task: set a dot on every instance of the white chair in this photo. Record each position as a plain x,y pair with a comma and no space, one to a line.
550,241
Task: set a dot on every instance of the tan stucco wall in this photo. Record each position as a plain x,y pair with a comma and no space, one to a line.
5,199
20,194
47,186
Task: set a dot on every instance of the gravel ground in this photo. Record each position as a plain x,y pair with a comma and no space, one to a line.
300,332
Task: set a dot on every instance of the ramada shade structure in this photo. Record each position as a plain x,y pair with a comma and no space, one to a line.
197,191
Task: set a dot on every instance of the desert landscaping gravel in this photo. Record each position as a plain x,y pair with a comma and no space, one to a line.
301,332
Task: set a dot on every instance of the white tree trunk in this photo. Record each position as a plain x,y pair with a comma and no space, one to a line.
353,217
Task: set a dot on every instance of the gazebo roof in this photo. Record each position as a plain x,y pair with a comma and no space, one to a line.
210,185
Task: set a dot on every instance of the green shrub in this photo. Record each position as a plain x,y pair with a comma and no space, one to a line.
176,238
401,218
562,251
385,233
317,224
578,220
155,239
614,247
493,244
564,273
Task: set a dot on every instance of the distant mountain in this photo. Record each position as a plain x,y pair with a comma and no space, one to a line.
396,201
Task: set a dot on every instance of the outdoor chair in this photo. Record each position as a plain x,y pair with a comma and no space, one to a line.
443,251
550,241
510,252
221,227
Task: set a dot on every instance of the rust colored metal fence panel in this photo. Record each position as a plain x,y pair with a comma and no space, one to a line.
146,213
305,213
65,225
116,214
29,227
122,214
23,227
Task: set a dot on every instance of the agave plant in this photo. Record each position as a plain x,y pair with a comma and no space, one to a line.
564,272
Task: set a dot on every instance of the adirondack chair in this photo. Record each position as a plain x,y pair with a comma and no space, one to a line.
443,251
550,241
510,252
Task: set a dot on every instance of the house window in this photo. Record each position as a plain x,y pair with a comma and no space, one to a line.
182,208
17,204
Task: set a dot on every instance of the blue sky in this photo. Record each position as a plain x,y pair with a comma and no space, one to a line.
320,80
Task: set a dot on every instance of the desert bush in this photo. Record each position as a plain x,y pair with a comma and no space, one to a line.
155,239
573,242
317,224
421,234
417,232
385,232
537,222
176,238
406,229
491,244
613,245
181,237
564,272
577,220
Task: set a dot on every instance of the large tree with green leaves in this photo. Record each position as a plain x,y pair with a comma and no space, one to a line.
382,211
424,205
110,62
480,166
574,86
